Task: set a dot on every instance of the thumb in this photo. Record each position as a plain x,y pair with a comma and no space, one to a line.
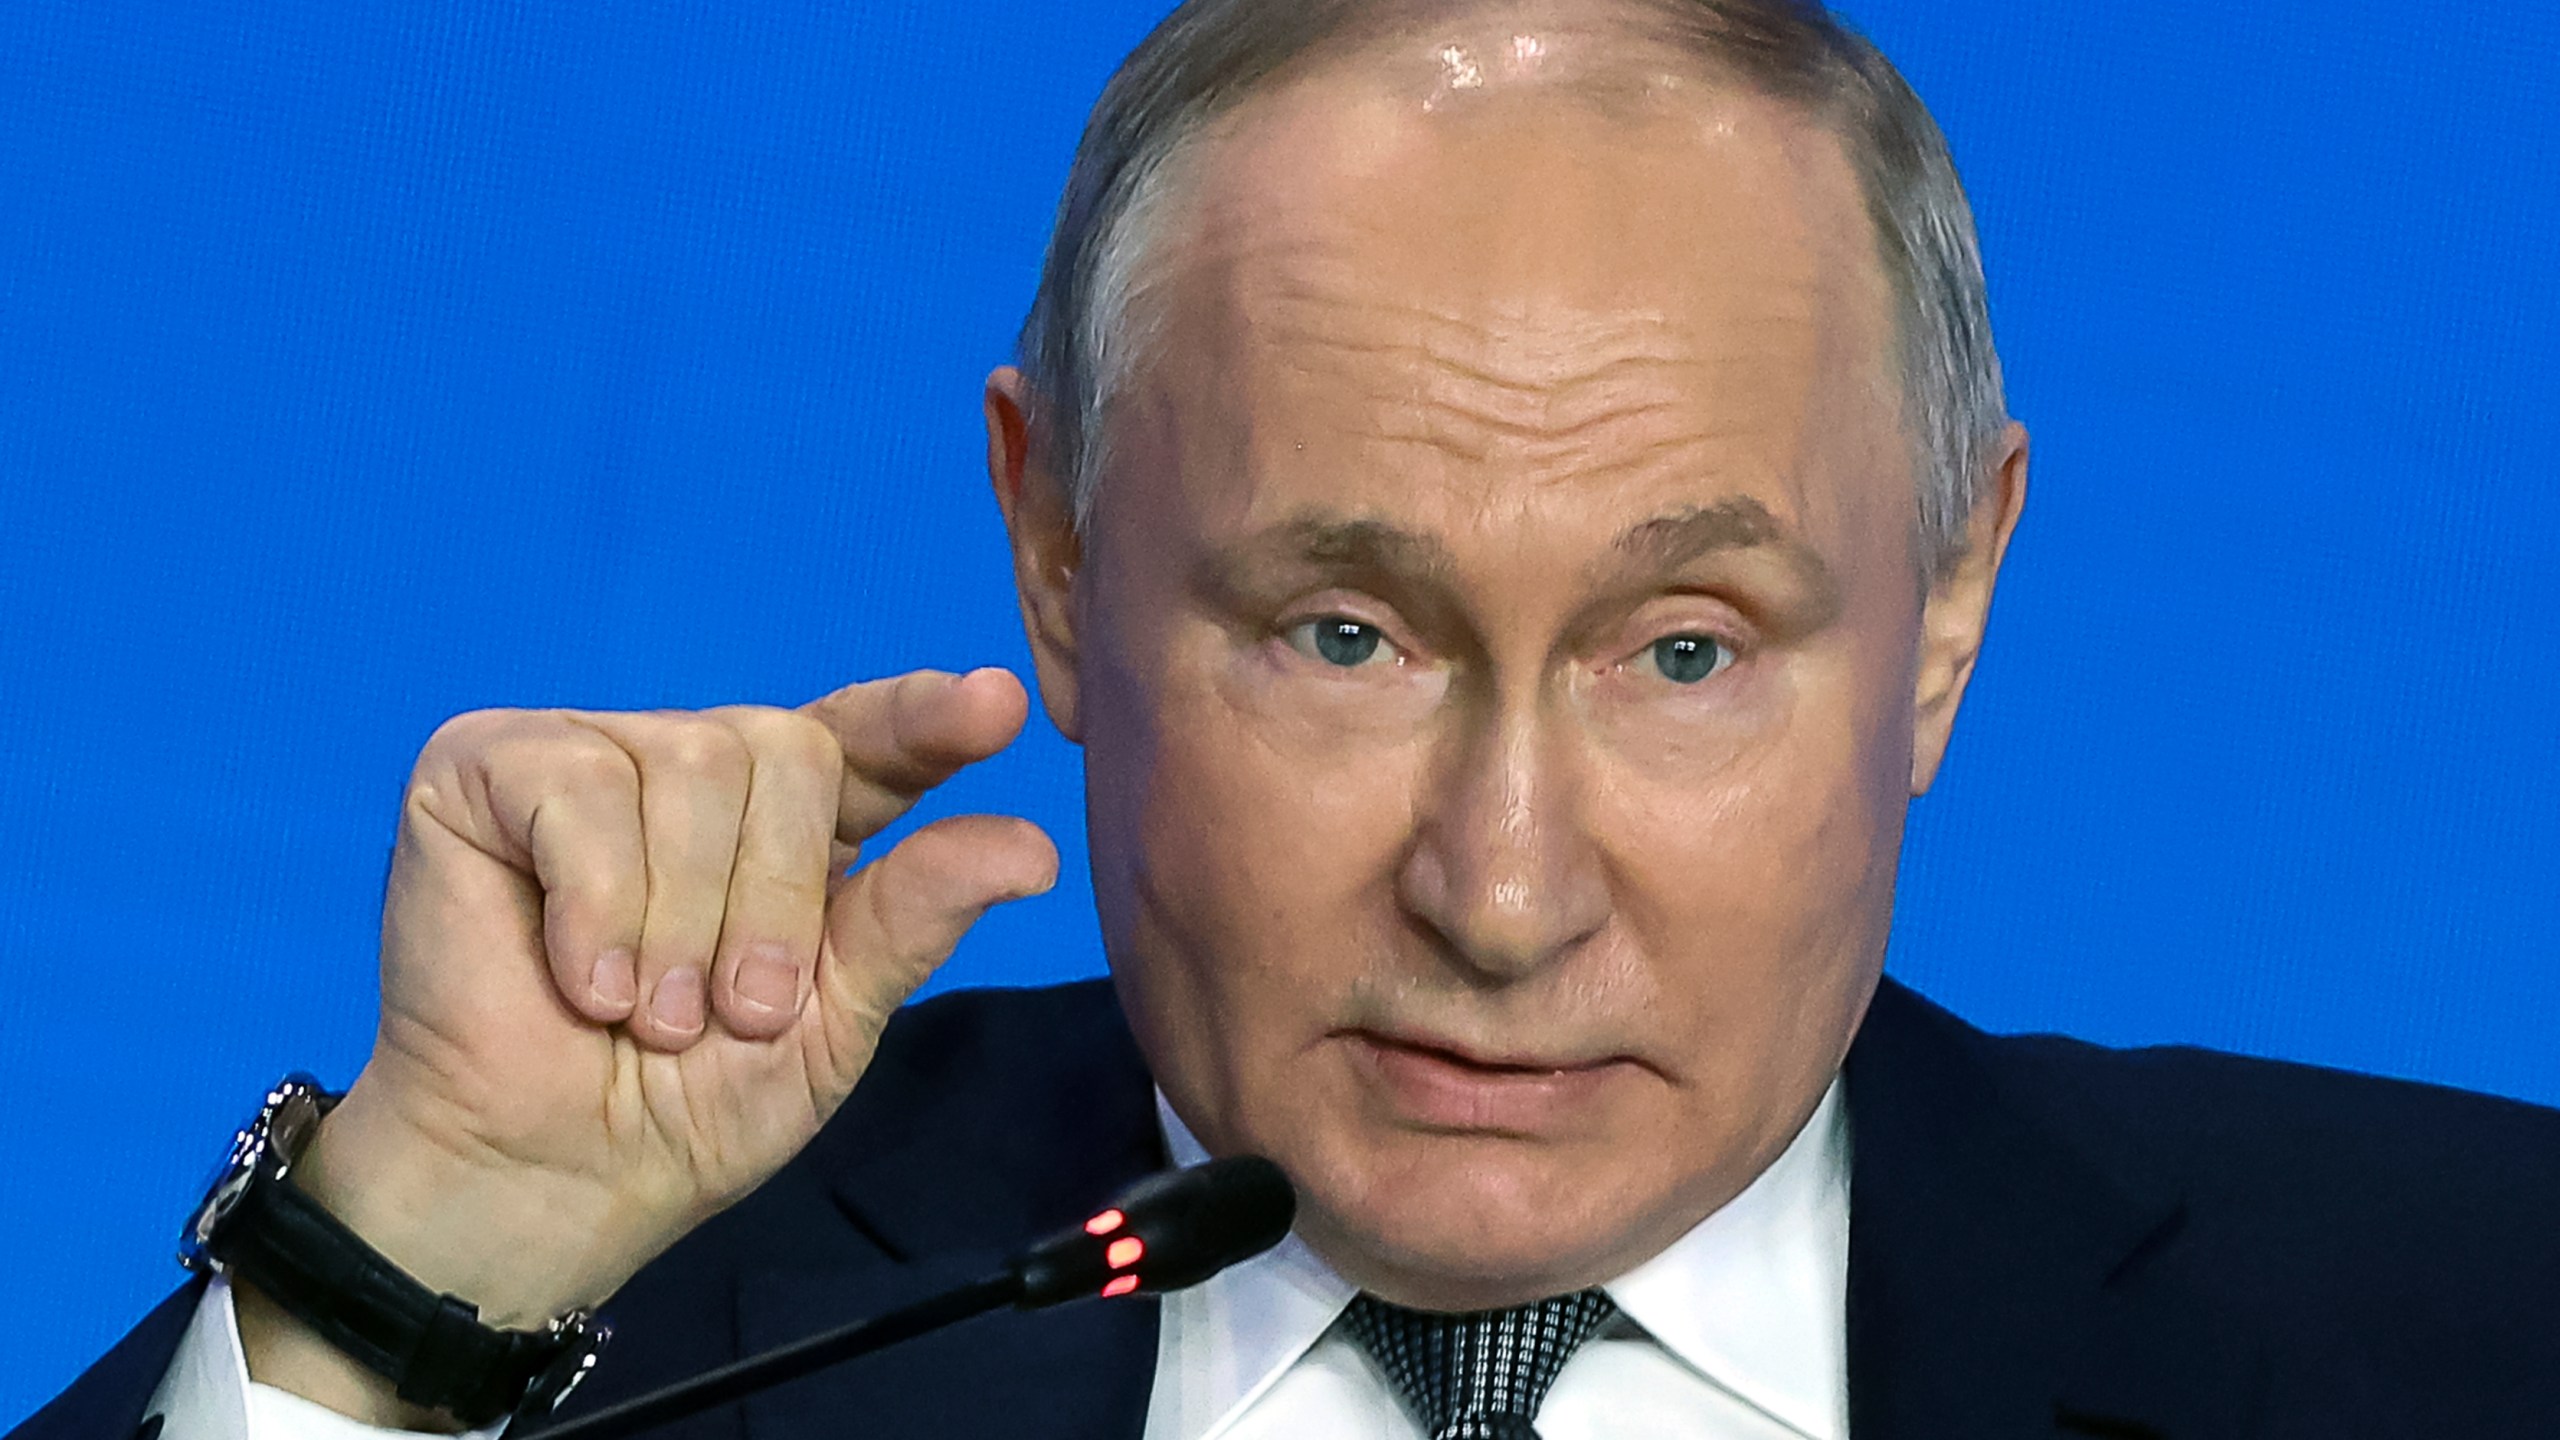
899,917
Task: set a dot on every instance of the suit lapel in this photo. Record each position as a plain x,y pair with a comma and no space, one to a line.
2005,1280
953,1162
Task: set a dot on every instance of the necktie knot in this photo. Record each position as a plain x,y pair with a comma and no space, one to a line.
1479,1375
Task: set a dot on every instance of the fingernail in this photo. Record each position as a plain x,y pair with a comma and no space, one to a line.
616,980
767,981
677,1002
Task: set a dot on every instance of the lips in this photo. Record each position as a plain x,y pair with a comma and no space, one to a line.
1497,1063
1437,1085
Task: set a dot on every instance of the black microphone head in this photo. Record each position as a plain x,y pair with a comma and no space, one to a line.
1167,1232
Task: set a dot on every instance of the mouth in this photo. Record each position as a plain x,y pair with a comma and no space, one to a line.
1438,1085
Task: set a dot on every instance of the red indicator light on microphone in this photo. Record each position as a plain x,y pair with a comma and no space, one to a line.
1105,1223
1124,1252
1119,1287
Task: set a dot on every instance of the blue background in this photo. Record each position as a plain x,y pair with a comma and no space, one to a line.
361,363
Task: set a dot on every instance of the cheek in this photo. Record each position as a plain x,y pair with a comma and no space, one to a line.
1244,843
1268,782
1755,856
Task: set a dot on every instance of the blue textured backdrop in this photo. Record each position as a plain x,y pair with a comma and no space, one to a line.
364,362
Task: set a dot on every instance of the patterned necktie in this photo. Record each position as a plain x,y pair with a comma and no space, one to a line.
1478,1376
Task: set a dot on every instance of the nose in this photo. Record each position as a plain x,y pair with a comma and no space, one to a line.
1502,868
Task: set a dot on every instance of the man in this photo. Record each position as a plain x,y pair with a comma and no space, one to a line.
1508,496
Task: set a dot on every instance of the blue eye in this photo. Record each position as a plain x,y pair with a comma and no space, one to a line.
1337,641
1345,641
1688,659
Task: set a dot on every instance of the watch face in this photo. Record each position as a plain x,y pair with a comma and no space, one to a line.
291,1120
262,1149
222,1192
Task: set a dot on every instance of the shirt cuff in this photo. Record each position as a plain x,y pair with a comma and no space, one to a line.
208,1395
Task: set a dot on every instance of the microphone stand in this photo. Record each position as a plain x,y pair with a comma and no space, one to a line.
1164,1233
746,1377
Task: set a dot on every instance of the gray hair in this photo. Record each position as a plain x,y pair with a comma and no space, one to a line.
1208,56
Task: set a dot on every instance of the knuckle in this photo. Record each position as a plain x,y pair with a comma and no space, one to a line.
454,772
585,761
457,730
801,740
700,746
819,749
432,801
548,757
594,879
786,741
464,737
778,894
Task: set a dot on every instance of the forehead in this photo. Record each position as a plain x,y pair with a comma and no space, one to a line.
1468,276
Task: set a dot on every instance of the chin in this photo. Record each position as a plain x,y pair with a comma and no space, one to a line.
1455,1222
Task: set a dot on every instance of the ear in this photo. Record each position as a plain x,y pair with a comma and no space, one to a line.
1959,608
1046,549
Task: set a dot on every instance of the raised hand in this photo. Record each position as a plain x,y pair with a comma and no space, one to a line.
625,977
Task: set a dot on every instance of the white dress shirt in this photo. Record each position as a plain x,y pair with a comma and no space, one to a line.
208,1395
1739,1331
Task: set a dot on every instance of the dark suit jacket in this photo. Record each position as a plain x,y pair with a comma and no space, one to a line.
2046,1239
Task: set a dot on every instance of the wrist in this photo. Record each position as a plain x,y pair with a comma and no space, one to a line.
281,1351
519,1243
329,1316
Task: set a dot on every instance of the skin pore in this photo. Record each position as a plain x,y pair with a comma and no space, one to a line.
1499,647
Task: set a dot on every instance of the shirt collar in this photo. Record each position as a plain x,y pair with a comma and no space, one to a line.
1754,1297
1265,1313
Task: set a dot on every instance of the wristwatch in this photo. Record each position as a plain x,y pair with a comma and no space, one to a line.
256,1224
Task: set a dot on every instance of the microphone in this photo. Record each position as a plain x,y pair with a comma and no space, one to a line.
1167,1232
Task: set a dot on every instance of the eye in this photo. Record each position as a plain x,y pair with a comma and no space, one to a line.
1339,641
1689,659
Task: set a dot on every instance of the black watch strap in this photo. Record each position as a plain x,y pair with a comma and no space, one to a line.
258,1226
432,1346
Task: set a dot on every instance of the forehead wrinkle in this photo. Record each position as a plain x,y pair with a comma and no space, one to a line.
1421,357
1542,382
1472,418
1588,450
1626,431
1300,290
1519,367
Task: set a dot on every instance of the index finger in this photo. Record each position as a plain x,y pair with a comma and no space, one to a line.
903,736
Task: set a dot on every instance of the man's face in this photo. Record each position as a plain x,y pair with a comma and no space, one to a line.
1495,652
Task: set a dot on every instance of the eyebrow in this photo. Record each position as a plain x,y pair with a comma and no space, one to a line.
1333,544
1367,545
1669,543
1375,549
